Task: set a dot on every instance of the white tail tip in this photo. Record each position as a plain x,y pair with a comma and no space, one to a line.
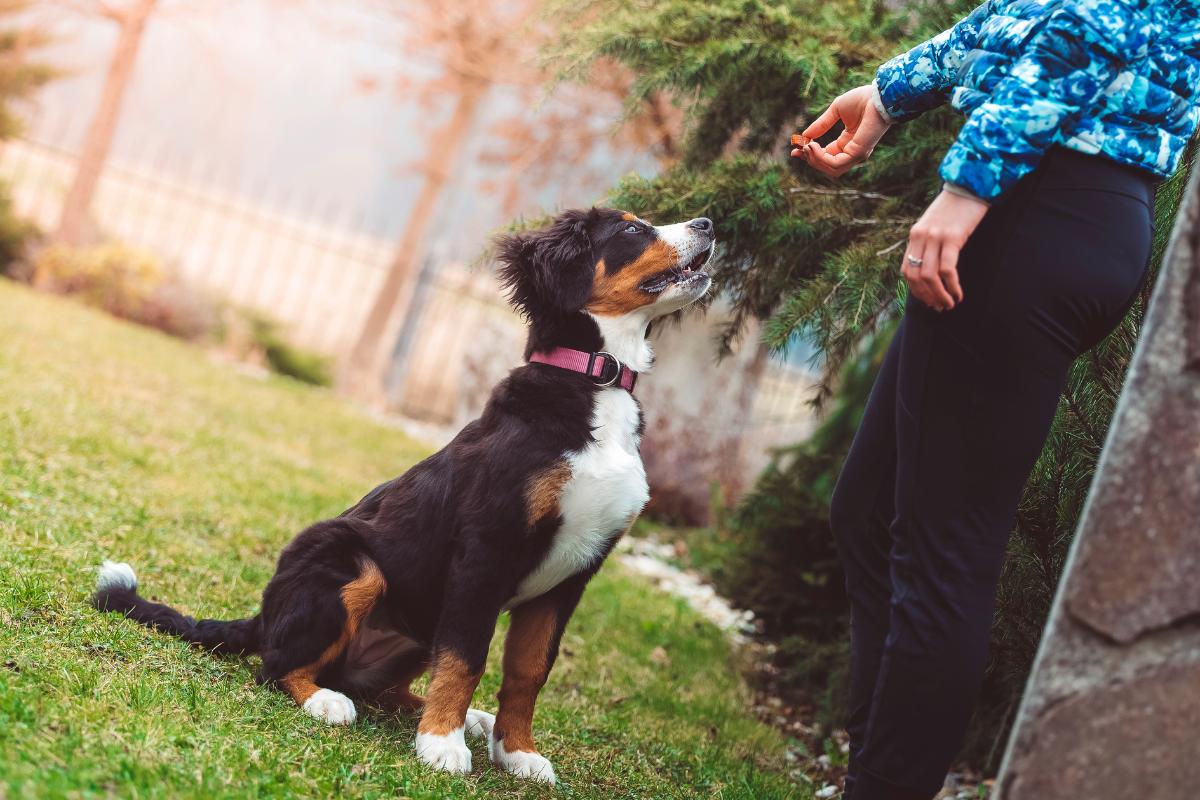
115,575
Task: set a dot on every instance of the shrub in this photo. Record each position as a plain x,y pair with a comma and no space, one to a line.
287,359
128,283
15,233
777,556
111,276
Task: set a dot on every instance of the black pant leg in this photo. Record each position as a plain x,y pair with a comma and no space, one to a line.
860,513
977,387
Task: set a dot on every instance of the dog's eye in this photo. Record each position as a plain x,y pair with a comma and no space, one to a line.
631,228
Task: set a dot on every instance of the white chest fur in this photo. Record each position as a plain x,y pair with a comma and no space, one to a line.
606,491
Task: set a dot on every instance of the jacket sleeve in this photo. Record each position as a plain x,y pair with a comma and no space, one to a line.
921,79
1079,49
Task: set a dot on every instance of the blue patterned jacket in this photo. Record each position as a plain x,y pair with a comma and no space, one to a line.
1120,78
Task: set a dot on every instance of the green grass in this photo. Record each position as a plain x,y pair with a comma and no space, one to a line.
117,441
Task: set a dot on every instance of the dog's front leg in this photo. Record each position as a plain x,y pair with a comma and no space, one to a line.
468,620
530,649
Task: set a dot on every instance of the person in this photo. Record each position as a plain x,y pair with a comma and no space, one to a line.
1030,255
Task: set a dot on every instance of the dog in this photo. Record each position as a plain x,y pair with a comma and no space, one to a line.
517,513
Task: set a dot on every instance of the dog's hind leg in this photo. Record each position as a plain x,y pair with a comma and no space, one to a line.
312,610
399,696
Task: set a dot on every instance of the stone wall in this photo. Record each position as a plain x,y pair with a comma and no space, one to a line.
1112,710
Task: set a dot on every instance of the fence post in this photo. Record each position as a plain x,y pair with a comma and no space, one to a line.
1113,704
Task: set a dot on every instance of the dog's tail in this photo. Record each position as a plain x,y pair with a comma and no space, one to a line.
116,590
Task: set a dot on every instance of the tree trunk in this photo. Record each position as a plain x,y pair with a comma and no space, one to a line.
103,127
363,377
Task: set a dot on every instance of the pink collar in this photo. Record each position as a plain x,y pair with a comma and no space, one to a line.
602,367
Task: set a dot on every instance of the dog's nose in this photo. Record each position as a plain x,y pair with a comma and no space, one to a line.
702,224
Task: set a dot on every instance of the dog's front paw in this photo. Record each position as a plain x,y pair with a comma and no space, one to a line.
330,706
479,723
448,753
522,763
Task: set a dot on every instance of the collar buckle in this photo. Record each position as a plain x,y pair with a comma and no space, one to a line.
610,368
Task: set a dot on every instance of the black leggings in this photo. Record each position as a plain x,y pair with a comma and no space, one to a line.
957,417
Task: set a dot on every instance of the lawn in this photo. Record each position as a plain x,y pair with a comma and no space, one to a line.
116,441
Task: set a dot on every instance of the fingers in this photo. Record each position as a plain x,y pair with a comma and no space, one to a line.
935,280
948,271
930,275
938,237
821,125
911,270
835,166
840,145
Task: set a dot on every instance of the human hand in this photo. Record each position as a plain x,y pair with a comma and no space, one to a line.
931,261
864,128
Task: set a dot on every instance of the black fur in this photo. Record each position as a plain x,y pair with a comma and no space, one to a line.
234,636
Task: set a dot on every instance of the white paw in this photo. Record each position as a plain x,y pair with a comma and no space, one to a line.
330,706
448,753
521,763
479,723
115,575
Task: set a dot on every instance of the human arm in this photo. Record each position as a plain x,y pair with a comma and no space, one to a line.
1079,49
905,86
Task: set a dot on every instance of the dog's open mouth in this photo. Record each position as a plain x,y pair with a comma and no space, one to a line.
681,274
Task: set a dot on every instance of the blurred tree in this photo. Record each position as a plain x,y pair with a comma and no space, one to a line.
818,261
575,123
475,46
131,18
476,49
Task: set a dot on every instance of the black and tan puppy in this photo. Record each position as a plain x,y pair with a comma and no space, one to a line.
516,513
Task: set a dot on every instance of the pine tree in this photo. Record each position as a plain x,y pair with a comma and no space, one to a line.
818,261
815,259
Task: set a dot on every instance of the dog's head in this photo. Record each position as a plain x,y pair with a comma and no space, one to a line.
607,263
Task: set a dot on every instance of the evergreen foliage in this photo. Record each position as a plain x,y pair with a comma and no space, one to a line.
816,259
819,261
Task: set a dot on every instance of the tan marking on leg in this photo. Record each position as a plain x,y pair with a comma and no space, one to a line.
358,598
543,491
449,697
614,295
526,666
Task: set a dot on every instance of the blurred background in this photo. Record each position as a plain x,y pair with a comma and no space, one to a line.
311,186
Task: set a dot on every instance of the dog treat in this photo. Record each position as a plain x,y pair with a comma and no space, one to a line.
799,140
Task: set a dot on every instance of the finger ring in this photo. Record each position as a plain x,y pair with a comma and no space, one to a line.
916,262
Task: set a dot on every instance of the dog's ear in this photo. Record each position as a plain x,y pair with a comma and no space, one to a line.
551,270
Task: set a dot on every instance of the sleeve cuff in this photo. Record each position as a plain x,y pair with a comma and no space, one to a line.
877,101
962,191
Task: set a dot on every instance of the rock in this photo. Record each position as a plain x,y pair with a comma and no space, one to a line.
1112,707
1130,740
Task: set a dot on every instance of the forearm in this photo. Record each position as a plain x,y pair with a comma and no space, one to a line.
921,79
